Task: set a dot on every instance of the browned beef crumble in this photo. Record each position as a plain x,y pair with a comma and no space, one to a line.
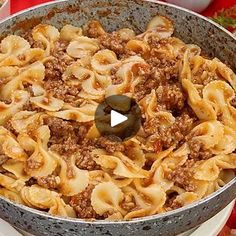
68,138
110,146
34,44
65,135
161,72
58,89
172,95
149,81
166,65
166,69
93,29
54,84
48,182
167,136
29,106
128,203
59,48
171,203
182,176
54,68
204,80
185,123
82,204
32,164
113,42
84,158
198,151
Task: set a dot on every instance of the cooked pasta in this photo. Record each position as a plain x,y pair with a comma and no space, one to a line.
53,158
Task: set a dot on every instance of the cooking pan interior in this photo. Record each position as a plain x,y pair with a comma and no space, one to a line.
135,14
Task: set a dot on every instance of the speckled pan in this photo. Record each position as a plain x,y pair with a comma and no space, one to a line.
191,28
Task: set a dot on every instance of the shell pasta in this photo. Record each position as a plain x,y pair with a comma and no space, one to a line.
53,158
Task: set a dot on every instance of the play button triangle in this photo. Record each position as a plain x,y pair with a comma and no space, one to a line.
117,118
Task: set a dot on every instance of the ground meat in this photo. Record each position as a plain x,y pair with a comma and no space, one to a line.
32,165
49,182
128,203
182,176
65,135
84,158
57,88
62,129
59,48
204,76
6,101
113,42
3,158
55,67
167,69
171,203
198,151
34,44
184,123
93,29
167,136
82,204
172,96
170,136
149,81
115,80
67,148
68,138
109,145
174,205
167,65
29,106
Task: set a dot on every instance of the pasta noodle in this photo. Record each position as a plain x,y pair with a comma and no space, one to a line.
52,156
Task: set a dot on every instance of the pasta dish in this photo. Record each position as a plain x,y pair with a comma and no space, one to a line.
1,2
54,159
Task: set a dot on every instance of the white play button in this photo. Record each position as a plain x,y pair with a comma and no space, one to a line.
117,118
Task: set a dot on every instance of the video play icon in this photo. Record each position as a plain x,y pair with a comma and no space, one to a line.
118,117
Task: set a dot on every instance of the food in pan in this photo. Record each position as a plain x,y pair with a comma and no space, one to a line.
1,2
54,159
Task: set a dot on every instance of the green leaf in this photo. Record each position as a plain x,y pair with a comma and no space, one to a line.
225,21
